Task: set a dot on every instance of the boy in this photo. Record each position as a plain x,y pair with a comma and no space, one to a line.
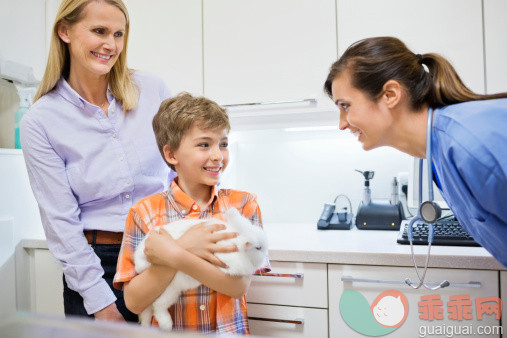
191,135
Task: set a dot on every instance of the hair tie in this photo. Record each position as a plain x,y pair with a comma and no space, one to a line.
419,58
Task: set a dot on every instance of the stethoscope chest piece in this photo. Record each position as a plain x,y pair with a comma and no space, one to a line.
430,211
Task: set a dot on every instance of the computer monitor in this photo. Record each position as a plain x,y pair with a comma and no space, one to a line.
413,186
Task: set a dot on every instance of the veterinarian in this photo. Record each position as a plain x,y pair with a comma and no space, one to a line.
192,136
90,150
389,96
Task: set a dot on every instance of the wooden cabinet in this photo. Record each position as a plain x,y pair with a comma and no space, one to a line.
265,51
289,301
495,31
452,28
376,277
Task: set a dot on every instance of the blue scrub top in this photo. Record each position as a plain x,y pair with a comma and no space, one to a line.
469,143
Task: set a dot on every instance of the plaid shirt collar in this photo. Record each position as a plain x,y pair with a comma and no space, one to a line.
185,202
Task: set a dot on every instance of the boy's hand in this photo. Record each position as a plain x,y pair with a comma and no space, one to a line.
161,248
201,240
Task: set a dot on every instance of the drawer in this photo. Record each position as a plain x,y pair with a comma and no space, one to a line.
291,283
368,283
287,321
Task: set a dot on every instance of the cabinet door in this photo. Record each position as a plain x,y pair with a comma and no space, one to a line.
166,39
265,51
47,283
495,31
287,321
452,28
291,283
413,326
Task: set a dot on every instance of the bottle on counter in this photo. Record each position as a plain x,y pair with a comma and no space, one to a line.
25,98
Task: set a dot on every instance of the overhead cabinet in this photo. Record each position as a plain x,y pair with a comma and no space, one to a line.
269,51
166,39
452,28
495,31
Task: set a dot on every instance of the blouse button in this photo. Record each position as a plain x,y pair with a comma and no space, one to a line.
202,307
194,207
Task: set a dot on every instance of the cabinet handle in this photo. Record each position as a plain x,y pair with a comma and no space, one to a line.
379,281
273,274
298,321
311,101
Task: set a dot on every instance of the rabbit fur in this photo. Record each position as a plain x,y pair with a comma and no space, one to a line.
251,255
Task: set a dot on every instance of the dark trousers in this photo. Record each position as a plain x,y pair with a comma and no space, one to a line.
73,302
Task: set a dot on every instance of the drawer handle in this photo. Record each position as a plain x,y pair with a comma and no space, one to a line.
298,321
311,101
379,281
273,274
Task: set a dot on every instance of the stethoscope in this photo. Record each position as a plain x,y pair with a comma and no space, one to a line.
428,211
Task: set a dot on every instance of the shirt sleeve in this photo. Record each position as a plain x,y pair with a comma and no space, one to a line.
135,230
60,216
252,211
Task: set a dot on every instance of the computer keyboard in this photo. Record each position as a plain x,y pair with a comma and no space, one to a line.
447,232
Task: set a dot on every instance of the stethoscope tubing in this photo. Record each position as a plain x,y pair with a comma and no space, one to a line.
418,217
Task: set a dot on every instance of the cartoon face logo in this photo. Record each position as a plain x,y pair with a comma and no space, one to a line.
385,315
388,308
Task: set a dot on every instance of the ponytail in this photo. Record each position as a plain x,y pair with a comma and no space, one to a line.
374,61
448,88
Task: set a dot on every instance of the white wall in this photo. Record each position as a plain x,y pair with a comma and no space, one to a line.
295,173
22,33
16,198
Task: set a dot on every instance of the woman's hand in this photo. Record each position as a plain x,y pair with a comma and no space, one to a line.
201,240
161,248
109,313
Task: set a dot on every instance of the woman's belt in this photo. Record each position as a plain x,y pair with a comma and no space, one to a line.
103,237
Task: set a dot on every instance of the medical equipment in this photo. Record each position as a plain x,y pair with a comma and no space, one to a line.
334,218
379,214
428,211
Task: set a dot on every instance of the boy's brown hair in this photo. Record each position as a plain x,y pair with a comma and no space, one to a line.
178,114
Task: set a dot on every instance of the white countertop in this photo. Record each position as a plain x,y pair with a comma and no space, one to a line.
298,242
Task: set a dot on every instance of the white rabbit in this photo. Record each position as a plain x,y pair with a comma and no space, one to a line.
252,252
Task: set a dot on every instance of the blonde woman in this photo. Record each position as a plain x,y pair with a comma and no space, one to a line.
90,150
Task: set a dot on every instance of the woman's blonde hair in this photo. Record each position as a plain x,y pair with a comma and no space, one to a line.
120,80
